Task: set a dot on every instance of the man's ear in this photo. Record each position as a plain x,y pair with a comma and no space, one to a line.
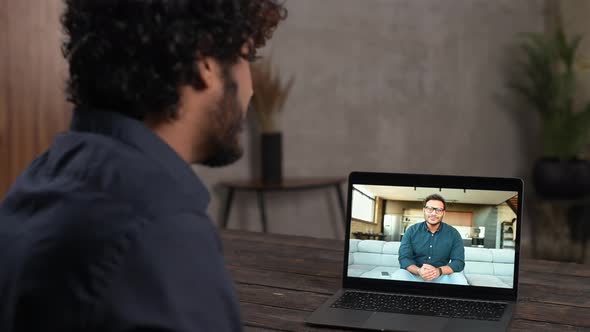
210,71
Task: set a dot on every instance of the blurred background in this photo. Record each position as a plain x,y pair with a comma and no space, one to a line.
413,86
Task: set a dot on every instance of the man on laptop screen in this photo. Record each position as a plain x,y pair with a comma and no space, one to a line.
432,250
432,235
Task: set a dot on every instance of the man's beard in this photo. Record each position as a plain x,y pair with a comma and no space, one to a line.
430,223
226,123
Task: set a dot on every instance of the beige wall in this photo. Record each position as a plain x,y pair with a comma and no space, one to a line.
363,227
394,207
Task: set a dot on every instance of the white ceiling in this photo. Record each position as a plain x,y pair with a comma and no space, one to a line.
469,196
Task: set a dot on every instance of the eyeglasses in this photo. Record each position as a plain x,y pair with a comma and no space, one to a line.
430,209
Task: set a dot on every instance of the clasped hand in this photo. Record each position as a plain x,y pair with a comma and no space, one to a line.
429,272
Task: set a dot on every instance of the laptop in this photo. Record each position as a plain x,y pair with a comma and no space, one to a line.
428,253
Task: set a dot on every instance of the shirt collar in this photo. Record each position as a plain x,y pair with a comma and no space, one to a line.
425,228
135,133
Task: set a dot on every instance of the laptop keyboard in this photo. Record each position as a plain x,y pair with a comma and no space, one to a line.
416,305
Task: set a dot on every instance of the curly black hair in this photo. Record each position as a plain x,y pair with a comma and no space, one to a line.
130,56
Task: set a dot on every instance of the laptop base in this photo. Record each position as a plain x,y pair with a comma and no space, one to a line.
384,321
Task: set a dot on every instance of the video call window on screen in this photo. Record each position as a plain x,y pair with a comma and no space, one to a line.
475,239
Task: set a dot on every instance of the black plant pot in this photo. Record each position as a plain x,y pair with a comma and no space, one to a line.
562,179
577,217
272,158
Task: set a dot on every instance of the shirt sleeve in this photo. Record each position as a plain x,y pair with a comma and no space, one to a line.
406,252
172,278
457,253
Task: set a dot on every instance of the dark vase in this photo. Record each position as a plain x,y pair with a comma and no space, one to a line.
577,217
272,157
562,179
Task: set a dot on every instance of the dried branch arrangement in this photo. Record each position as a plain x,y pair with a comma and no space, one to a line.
270,94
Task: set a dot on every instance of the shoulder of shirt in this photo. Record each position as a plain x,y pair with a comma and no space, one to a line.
107,165
415,227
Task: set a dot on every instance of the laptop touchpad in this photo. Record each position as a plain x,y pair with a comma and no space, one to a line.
341,317
400,322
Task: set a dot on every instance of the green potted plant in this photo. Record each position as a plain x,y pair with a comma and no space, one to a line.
548,84
270,95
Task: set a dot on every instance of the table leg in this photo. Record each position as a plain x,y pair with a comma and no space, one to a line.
230,197
341,202
262,210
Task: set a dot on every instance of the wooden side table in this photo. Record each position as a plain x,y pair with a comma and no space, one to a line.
297,184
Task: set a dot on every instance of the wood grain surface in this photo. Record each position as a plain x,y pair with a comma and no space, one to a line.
281,279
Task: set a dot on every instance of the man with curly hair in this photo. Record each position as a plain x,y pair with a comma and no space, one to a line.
108,230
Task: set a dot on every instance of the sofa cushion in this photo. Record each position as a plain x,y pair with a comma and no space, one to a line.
474,267
372,246
391,254
391,248
357,270
507,280
389,260
478,255
367,258
503,255
503,269
376,272
353,247
484,280
483,266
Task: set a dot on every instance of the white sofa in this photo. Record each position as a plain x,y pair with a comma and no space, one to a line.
483,267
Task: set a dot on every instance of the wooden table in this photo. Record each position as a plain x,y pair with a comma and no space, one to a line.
286,185
281,279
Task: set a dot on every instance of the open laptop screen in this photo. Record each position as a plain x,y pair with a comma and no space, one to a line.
469,233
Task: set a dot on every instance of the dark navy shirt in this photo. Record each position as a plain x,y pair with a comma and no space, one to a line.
419,246
108,231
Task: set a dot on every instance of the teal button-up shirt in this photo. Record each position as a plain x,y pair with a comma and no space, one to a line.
419,246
